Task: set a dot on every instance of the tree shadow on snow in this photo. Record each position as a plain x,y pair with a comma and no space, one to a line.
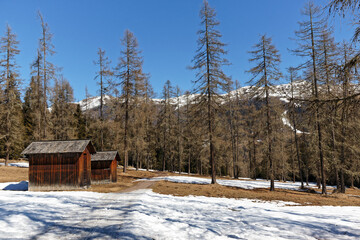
77,223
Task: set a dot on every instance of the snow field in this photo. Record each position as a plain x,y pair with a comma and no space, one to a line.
143,214
241,183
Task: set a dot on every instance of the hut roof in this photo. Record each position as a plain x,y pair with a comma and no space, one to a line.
105,156
50,147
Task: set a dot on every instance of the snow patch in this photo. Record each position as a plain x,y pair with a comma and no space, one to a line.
20,164
286,122
241,183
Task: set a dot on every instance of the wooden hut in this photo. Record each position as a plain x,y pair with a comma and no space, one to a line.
59,165
103,167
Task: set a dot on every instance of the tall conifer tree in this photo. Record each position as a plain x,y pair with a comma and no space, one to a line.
47,69
62,119
266,70
308,37
128,70
10,95
210,79
102,76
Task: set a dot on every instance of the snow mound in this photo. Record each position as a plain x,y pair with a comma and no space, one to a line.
15,186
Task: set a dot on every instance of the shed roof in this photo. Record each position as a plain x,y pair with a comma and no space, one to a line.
50,147
105,156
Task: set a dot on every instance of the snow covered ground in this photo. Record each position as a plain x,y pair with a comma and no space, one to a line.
19,164
143,214
244,183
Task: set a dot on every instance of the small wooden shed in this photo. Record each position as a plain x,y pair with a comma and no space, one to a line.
59,165
103,166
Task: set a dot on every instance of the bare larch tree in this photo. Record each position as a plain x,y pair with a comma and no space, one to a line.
266,70
102,75
128,70
210,79
47,68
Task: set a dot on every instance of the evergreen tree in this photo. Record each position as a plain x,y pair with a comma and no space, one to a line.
62,111
80,120
28,114
11,117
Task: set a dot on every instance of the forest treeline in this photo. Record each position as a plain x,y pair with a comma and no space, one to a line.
311,134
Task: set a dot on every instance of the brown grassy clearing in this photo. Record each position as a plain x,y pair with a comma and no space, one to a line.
303,198
126,182
13,174
2,160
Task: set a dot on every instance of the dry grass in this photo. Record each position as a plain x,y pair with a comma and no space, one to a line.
13,174
124,181
2,160
303,198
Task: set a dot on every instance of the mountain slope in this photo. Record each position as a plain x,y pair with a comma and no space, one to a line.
282,91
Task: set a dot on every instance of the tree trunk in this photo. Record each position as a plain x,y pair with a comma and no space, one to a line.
268,123
189,167
254,157
317,113
295,137
209,112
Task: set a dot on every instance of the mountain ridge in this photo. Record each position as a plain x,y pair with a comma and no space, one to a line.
282,91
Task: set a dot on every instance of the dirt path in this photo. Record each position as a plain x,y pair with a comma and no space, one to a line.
139,185
143,184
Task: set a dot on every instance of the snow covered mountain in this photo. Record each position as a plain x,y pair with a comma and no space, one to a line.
282,91
92,102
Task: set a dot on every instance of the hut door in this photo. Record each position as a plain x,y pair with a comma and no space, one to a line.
85,172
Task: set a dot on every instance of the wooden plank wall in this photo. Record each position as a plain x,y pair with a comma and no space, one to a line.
59,171
53,169
101,171
114,171
85,168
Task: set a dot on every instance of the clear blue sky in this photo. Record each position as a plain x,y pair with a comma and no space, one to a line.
166,31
